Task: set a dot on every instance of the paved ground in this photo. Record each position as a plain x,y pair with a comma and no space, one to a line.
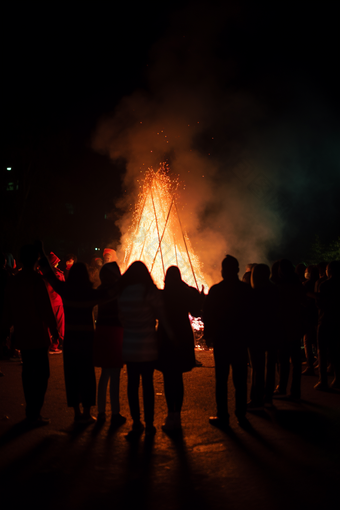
289,460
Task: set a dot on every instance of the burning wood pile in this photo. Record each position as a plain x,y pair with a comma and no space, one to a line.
157,236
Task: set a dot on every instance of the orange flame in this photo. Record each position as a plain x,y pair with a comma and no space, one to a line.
157,236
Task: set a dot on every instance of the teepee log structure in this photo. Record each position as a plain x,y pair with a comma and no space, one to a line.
157,236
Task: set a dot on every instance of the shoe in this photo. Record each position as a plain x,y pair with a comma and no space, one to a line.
87,419
150,431
136,432
321,386
308,371
101,417
117,420
37,422
55,351
220,423
172,422
278,392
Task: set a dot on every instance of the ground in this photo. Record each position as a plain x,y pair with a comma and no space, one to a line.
288,459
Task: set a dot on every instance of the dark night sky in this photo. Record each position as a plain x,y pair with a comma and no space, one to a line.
63,68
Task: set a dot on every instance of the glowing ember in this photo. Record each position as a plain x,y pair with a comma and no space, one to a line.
198,330
157,236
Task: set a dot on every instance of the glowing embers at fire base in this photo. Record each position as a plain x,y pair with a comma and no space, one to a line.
157,236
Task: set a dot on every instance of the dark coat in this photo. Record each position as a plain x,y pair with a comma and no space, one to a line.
178,355
328,302
293,303
228,315
266,325
108,338
311,308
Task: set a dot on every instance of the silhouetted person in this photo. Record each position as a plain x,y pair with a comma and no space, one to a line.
28,310
328,300
108,343
292,311
300,271
309,339
227,312
322,266
177,356
140,304
246,278
79,298
265,331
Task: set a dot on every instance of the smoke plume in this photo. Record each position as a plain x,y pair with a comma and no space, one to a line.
243,168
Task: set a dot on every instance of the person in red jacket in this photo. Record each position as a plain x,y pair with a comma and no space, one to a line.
57,306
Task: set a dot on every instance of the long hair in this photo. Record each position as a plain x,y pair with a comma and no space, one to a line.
109,273
79,277
173,277
136,273
174,288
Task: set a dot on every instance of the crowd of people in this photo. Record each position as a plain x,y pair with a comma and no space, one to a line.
96,317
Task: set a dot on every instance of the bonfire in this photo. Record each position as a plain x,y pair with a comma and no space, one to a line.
157,236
